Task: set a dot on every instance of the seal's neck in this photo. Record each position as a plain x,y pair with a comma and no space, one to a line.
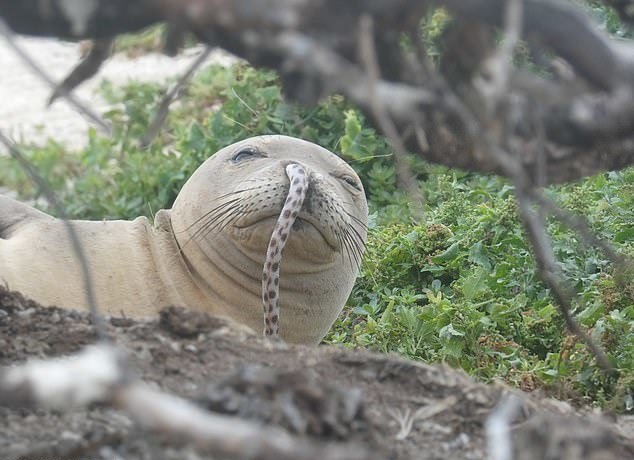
212,276
220,275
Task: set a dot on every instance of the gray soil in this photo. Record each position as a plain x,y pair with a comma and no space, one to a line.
395,408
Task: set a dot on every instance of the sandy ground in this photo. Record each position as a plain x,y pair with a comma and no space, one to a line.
23,96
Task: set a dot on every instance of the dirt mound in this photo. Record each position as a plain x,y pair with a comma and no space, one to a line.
397,408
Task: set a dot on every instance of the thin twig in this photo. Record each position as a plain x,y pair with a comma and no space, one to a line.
407,419
541,163
403,171
513,31
61,90
547,266
579,224
87,68
550,273
512,166
51,197
161,114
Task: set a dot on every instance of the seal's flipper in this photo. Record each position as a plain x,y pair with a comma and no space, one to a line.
13,214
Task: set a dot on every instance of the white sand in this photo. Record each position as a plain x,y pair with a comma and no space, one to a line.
23,96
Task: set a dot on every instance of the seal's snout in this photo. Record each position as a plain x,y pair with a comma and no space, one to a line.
313,185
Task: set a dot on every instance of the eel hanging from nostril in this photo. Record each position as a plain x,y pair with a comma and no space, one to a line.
271,272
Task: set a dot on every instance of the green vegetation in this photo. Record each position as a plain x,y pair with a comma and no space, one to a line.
459,287
148,40
607,17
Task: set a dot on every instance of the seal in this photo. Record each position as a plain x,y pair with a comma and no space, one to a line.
211,249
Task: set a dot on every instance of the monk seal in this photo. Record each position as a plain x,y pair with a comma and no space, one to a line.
208,251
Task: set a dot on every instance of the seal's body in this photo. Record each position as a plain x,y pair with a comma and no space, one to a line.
135,267
208,251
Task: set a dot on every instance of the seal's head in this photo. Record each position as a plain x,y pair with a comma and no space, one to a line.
224,216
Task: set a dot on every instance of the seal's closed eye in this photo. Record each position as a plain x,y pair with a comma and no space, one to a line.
351,181
245,153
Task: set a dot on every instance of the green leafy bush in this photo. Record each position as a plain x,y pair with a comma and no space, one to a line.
459,287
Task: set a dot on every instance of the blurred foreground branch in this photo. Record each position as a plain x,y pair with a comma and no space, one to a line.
587,111
98,375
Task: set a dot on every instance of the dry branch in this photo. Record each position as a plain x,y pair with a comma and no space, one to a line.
157,122
625,9
86,69
61,90
313,46
498,428
98,375
404,173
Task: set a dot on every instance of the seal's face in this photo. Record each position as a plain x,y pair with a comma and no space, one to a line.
229,207
325,228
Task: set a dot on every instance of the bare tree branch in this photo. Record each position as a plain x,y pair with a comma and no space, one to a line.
403,171
550,273
498,428
625,9
86,69
61,90
578,224
555,23
547,266
588,119
163,109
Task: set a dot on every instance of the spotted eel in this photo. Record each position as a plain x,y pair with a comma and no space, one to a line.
271,273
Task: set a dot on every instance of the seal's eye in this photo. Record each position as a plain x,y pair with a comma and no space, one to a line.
244,153
348,179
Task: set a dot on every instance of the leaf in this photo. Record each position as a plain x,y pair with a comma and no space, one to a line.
270,94
474,284
624,235
435,285
195,137
450,253
477,255
448,331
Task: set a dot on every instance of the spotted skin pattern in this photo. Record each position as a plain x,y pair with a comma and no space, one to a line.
271,273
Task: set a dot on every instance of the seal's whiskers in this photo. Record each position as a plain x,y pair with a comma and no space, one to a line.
271,272
218,217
